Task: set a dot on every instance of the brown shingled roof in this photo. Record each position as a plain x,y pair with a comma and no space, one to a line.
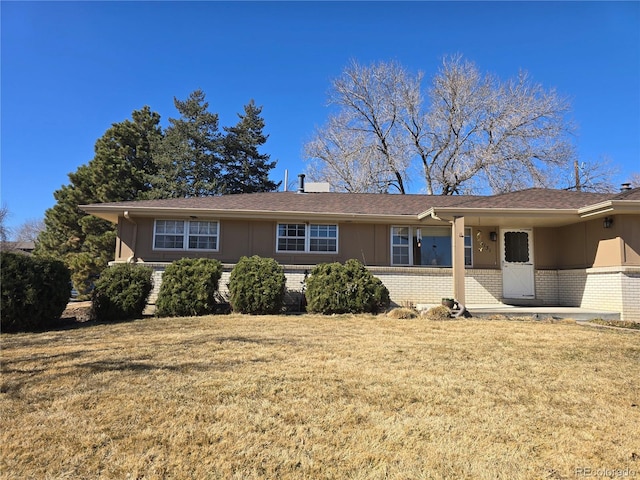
346,203
368,203
537,198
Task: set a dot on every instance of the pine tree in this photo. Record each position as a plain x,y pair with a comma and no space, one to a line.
246,169
189,162
120,170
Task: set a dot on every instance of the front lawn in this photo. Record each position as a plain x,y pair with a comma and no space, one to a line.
320,397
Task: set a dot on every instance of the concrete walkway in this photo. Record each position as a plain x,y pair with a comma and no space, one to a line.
575,313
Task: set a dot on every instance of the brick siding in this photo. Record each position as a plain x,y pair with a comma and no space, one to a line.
612,289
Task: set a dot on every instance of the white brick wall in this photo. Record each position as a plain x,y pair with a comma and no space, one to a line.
630,283
483,286
571,284
547,286
416,285
615,289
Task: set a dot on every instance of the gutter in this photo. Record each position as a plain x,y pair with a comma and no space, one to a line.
616,206
111,214
496,212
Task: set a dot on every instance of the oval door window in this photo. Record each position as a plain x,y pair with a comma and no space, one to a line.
516,247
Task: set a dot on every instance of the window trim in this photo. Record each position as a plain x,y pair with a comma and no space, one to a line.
470,247
412,233
410,250
185,236
307,238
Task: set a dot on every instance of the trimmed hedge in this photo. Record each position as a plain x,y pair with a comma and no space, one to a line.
121,293
34,291
189,288
257,286
349,288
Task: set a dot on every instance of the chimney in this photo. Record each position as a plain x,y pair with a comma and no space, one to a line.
301,183
625,187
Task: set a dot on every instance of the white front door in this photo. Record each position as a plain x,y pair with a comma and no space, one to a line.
517,263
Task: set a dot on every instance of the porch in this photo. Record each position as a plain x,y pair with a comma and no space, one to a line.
541,312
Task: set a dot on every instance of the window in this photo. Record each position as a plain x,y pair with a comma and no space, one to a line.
323,238
291,237
426,246
203,235
516,247
468,247
169,234
185,235
300,237
400,245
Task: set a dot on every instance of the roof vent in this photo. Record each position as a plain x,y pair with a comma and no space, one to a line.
301,183
625,187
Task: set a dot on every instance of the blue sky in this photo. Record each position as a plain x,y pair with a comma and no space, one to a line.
70,70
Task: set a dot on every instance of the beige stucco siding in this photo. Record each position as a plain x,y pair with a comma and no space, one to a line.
546,248
630,231
582,245
368,243
126,235
486,252
589,244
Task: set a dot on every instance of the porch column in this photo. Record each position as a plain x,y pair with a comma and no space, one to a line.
458,259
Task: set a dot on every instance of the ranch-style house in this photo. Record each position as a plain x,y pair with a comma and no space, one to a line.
535,246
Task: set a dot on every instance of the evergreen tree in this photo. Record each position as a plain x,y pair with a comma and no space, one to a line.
246,169
189,161
120,170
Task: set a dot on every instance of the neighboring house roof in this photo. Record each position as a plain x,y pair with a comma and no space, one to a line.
556,205
19,247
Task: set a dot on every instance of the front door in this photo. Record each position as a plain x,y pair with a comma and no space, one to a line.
517,263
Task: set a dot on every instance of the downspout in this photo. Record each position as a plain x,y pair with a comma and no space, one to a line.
132,258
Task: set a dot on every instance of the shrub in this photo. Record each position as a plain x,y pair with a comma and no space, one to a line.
35,291
189,288
349,288
121,293
257,286
402,313
438,313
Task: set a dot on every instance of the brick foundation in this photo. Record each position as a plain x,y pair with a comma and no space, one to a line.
615,289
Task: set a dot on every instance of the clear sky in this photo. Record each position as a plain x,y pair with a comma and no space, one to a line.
71,69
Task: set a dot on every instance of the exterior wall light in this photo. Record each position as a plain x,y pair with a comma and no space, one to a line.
608,221
493,236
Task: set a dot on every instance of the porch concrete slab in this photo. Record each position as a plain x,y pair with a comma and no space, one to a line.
575,313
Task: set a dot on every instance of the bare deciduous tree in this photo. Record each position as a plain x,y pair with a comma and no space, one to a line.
344,159
5,231
634,179
29,230
366,130
596,176
475,133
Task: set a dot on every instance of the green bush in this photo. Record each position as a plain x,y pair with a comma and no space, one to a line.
189,288
349,288
257,286
121,293
35,291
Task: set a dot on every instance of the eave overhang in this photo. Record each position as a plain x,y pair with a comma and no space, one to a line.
497,216
112,214
504,216
610,207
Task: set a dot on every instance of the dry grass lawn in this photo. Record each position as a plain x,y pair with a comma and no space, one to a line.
355,397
